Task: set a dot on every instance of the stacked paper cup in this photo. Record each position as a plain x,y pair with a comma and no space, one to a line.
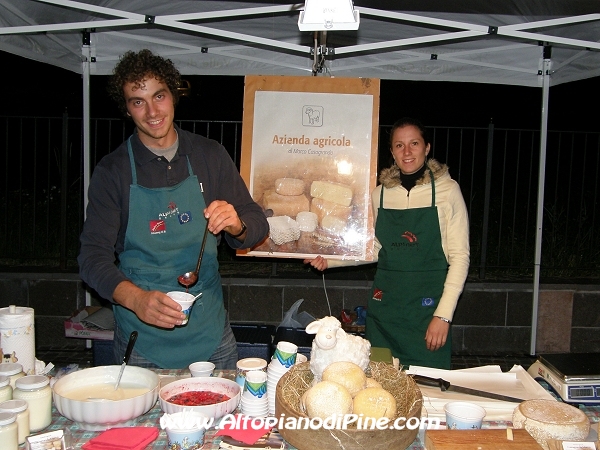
283,358
254,401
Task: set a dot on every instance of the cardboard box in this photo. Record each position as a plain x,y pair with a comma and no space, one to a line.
54,440
91,322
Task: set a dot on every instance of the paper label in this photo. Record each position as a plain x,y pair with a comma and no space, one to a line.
567,445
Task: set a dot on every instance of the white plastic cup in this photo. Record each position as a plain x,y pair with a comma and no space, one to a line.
256,383
185,439
300,358
463,416
247,364
285,354
186,300
202,369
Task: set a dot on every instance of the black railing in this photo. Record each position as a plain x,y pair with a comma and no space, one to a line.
42,186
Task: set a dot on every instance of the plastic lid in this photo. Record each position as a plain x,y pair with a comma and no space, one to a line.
251,364
31,382
14,406
9,369
4,380
6,418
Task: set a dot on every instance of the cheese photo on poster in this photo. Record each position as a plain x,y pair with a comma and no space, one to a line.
311,171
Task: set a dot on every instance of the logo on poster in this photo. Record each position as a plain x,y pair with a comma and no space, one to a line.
312,116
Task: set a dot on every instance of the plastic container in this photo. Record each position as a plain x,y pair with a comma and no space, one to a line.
5,389
19,407
13,371
8,431
36,391
463,416
247,364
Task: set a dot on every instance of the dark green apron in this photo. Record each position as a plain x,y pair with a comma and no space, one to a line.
162,241
411,271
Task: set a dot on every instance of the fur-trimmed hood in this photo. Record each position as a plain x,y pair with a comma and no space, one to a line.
390,177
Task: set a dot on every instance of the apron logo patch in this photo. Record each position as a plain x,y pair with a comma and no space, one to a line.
184,217
409,236
158,227
377,294
427,301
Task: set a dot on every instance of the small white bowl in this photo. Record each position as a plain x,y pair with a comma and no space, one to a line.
99,415
212,384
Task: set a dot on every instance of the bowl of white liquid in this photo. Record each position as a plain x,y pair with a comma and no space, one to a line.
88,397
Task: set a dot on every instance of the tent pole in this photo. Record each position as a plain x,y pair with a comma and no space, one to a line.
85,76
540,200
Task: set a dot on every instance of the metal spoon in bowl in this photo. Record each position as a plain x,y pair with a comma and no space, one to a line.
189,279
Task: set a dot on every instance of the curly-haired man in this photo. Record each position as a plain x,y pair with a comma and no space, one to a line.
149,203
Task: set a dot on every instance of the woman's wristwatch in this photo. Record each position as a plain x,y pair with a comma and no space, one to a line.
241,232
443,319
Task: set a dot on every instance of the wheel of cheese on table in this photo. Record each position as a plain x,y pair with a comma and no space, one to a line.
374,403
327,398
549,419
346,373
372,382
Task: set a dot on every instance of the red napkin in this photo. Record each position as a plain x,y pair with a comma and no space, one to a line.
128,438
248,434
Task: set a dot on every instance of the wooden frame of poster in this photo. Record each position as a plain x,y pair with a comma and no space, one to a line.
309,158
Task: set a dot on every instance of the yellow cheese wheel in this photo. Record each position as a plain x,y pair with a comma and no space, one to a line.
549,419
374,402
346,373
372,382
327,398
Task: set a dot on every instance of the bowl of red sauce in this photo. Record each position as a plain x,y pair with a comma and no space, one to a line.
210,396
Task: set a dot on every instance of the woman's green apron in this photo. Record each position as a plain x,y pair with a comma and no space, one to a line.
162,241
411,271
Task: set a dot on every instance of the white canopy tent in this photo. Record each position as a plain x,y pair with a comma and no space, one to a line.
531,43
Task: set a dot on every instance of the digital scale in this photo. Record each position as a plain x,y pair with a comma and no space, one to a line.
575,377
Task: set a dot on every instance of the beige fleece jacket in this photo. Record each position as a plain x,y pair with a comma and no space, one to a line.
453,218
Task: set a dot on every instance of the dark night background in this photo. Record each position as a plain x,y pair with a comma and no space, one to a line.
38,89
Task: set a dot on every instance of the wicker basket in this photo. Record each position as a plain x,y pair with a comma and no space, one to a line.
408,404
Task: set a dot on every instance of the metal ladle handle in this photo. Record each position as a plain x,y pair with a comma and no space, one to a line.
202,248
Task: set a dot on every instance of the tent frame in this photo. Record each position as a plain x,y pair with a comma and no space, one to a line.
120,24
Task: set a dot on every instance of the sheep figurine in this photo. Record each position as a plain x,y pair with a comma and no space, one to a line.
332,343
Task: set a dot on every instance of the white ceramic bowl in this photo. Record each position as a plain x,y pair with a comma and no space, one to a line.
99,415
212,384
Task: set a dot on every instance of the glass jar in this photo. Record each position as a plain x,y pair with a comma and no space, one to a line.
8,431
12,371
36,391
19,407
5,389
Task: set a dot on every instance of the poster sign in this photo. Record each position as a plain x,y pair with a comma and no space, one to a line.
309,149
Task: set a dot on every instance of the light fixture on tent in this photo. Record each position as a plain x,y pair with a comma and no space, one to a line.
328,15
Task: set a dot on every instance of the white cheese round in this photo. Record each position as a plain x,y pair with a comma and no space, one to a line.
327,398
549,419
374,403
346,373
